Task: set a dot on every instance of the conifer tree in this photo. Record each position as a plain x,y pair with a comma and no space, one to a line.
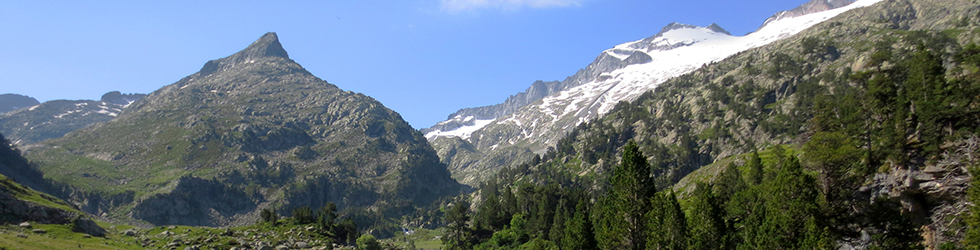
707,228
458,233
755,168
632,186
579,233
326,217
666,222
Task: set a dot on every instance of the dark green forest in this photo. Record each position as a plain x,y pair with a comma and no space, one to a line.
908,108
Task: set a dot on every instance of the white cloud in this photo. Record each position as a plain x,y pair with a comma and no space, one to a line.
470,5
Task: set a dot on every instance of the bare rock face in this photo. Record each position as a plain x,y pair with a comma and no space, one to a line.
935,194
812,6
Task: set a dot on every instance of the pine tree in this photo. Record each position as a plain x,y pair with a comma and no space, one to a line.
629,201
729,183
458,233
791,199
579,233
707,228
326,217
755,168
269,215
666,222
557,231
303,215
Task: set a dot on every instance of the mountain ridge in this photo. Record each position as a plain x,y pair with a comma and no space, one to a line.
618,74
55,118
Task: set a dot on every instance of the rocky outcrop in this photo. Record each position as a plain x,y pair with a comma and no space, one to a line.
812,6
15,211
934,194
186,204
115,97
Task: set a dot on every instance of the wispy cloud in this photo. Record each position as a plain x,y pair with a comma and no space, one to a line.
471,5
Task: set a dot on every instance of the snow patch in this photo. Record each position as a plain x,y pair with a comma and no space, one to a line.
463,132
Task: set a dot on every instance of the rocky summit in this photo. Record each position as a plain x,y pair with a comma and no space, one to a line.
250,131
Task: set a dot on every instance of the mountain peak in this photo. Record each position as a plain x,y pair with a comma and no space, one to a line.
267,46
676,26
717,28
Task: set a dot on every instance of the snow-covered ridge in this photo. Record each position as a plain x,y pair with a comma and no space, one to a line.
673,52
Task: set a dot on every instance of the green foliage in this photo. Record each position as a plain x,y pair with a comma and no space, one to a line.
632,186
458,233
346,232
269,216
326,217
579,232
667,223
368,242
972,239
755,168
707,228
303,215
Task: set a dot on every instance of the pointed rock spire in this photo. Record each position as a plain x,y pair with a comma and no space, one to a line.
267,46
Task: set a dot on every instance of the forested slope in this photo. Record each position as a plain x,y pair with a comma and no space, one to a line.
865,126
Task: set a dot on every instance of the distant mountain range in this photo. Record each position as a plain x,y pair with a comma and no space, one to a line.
53,119
11,102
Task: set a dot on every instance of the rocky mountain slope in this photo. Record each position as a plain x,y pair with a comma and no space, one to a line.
622,73
21,203
53,119
879,103
250,131
11,102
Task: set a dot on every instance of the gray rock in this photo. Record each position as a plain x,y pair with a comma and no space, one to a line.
39,231
129,232
25,224
301,245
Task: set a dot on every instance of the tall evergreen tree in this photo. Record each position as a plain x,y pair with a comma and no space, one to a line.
579,233
755,168
707,228
666,222
790,201
632,186
458,233
326,217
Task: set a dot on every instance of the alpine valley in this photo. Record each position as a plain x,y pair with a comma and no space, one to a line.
839,124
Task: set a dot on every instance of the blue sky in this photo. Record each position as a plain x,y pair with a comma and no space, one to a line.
422,58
